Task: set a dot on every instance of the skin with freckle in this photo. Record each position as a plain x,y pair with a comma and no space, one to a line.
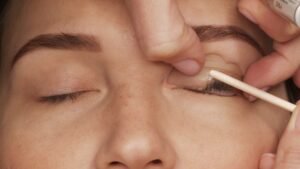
113,109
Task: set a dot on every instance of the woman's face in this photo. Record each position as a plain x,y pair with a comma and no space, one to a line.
81,95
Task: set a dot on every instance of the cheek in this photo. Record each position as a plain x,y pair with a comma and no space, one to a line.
49,144
223,136
234,148
30,151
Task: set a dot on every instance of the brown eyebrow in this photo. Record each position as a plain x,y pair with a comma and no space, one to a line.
209,33
59,41
67,41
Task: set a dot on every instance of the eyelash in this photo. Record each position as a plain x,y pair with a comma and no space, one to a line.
216,88
56,99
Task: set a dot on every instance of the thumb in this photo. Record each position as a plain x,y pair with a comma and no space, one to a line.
164,36
288,154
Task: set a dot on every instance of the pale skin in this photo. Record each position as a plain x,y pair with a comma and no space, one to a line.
276,67
130,113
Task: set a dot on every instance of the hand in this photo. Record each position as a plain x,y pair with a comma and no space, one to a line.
284,62
288,153
164,36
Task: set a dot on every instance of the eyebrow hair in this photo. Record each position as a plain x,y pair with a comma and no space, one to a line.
209,33
59,41
67,41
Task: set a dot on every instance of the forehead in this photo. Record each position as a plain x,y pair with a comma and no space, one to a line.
90,16
38,15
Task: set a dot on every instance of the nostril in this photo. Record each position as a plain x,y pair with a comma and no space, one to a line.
156,161
115,163
119,164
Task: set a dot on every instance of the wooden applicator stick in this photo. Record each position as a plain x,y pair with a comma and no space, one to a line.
252,90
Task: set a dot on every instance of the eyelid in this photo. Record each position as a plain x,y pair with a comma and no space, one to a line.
68,91
63,90
58,98
199,81
222,63
216,87
203,83
61,98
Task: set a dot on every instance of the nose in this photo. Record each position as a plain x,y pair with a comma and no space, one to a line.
138,152
136,140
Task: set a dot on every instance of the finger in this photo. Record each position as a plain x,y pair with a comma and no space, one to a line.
297,77
164,36
267,161
276,67
279,29
294,122
288,155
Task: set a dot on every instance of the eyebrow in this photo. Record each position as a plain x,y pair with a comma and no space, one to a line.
67,41
209,33
63,41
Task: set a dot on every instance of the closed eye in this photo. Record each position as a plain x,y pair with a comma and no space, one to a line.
56,99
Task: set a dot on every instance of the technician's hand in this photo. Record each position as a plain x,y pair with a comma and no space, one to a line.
288,153
164,36
284,62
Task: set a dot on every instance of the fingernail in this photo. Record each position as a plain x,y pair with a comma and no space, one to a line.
188,67
269,155
248,15
267,161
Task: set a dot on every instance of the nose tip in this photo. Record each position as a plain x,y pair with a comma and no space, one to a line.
136,153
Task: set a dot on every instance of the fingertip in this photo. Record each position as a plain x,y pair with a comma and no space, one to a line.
243,4
244,7
269,71
297,78
183,53
188,66
294,123
260,13
267,161
190,58
252,76
248,15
